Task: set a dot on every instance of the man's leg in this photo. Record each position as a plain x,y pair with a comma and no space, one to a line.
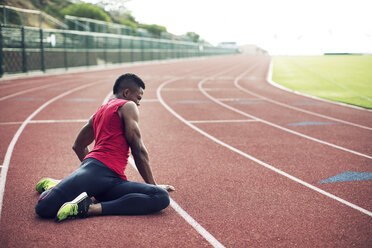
85,179
131,198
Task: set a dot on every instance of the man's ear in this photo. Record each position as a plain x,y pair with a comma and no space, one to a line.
126,92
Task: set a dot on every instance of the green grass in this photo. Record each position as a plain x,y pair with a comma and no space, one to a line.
341,78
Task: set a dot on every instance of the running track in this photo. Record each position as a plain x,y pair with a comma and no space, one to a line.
246,159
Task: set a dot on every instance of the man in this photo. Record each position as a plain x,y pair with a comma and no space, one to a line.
114,128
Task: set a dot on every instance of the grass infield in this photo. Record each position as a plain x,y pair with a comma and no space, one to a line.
341,78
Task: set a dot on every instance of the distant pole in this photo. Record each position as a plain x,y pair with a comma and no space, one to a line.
42,51
87,50
24,59
4,14
40,20
65,50
1,51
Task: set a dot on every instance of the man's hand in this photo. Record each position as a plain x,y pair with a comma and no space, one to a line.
168,188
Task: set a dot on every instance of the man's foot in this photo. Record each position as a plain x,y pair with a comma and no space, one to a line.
75,208
45,184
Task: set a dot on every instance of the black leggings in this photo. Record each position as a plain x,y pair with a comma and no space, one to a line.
117,196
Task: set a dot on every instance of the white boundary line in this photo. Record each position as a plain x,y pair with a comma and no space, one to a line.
43,121
204,233
25,91
268,166
13,142
200,85
295,108
270,81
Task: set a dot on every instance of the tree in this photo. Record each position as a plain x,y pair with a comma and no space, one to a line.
88,11
154,29
193,36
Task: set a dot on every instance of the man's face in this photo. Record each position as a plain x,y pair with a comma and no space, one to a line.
135,96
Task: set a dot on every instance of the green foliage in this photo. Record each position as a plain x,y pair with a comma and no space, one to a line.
12,17
339,78
128,23
88,11
154,29
193,36
128,16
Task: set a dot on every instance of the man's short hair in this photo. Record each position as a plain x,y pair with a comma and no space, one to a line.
128,81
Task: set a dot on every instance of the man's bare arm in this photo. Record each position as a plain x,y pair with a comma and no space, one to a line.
129,113
133,137
83,140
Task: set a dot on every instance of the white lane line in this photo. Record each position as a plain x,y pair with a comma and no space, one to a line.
11,123
12,144
44,121
268,166
24,91
149,100
221,121
238,99
236,83
200,85
270,81
56,121
201,230
191,221
180,89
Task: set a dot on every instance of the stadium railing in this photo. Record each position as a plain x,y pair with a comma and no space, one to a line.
25,49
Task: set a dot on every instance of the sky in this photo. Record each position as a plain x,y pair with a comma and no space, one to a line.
282,27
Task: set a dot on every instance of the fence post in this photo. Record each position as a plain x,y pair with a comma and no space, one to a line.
1,51
142,50
131,49
105,50
120,40
24,59
65,50
42,51
87,50
4,15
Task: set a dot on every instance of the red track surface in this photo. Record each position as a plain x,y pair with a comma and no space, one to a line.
236,199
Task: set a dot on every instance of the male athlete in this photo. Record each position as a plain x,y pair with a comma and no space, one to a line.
114,128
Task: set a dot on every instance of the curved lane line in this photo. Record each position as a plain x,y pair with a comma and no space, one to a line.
23,92
268,166
12,144
203,232
270,81
200,85
32,89
236,83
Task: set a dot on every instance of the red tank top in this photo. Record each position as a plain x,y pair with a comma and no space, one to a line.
110,146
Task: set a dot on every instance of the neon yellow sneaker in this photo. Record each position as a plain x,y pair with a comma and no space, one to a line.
45,184
75,208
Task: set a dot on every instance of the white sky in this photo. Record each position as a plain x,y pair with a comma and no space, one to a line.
279,26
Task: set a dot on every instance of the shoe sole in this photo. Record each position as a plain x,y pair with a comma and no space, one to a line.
78,199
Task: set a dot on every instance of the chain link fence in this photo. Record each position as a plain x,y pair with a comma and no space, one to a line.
24,49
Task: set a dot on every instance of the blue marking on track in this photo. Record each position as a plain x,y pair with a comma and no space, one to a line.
311,123
349,176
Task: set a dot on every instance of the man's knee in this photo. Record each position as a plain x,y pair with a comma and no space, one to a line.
44,211
163,199
46,207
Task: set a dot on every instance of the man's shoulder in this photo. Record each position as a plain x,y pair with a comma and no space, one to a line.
129,108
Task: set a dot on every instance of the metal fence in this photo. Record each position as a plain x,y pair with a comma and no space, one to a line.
24,49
